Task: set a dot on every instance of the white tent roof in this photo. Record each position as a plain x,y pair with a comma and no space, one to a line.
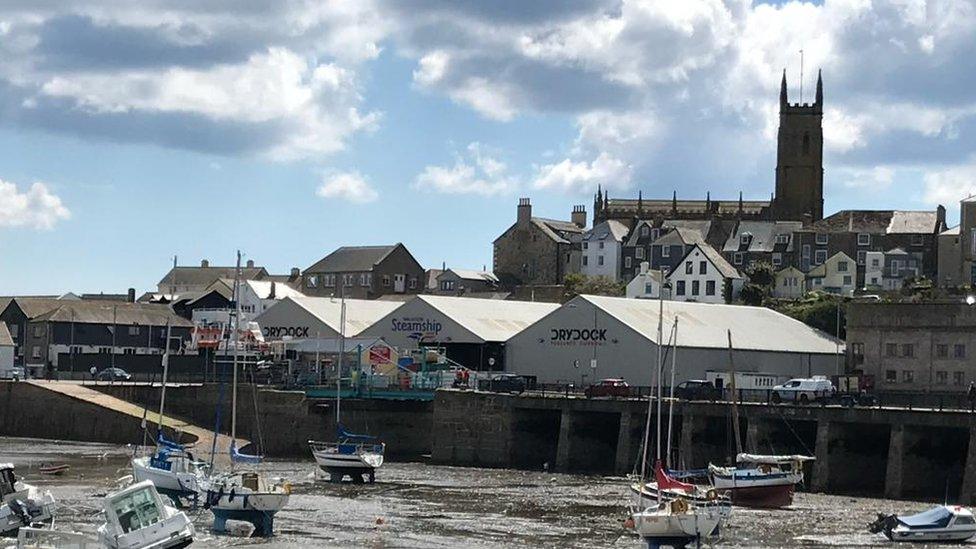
360,313
490,319
705,325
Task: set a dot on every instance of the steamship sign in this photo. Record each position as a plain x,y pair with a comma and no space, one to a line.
418,328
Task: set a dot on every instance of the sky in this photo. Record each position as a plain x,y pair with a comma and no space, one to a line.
131,132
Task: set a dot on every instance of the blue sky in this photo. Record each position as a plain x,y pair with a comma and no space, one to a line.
133,133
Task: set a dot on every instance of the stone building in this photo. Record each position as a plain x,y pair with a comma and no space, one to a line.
192,280
957,248
916,347
539,251
365,272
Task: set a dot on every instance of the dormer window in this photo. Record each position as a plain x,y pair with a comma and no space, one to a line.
745,238
863,239
782,239
645,230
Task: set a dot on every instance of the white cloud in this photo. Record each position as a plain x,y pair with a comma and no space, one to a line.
950,185
36,207
348,186
477,172
571,176
878,178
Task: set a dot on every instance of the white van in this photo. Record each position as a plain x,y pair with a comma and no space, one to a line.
803,390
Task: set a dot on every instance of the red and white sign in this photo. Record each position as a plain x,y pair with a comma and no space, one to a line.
380,354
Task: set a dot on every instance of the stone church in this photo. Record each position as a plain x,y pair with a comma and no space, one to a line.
799,179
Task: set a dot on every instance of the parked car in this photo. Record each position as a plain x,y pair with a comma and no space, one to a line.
502,383
15,373
610,387
697,389
803,390
113,374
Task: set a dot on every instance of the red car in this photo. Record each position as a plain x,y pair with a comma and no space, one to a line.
608,388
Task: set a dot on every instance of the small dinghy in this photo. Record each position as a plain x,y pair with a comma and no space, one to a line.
21,504
137,518
56,470
945,523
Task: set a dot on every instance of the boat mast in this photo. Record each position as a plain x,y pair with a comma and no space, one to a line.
734,401
660,362
237,341
162,395
674,358
342,349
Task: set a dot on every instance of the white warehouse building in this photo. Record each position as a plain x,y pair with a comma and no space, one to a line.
302,317
619,337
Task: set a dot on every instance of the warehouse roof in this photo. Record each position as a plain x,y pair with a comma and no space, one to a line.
360,313
490,319
93,312
706,324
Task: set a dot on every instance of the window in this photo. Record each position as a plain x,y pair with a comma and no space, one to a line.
133,330
863,239
649,288
666,251
645,230
941,377
941,351
413,283
891,349
639,252
680,289
782,239
584,260
907,350
959,351
655,233
848,280
821,239
737,258
857,353
695,287
875,262
689,268
891,376
907,376
599,259
744,239
38,331
627,262
362,279
348,279
777,259
820,257
917,240
842,266
386,281
312,281
709,287
702,267
447,285
862,256
36,351
585,245
958,378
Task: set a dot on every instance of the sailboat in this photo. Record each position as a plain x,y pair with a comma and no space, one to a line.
670,520
759,481
243,495
353,455
172,468
21,504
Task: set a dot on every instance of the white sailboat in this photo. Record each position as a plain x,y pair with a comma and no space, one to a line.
672,519
351,455
172,469
248,496
137,518
21,504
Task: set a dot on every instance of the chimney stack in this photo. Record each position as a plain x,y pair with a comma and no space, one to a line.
250,263
131,295
295,272
524,211
940,218
578,216
644,267
204,263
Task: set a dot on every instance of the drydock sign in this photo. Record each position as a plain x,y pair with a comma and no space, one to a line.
577,336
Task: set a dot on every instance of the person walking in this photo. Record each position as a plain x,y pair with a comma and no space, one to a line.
92,371
971,395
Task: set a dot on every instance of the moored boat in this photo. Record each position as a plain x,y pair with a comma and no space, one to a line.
353,455
761,481
21,504
137,518
246,496
56,470
173,470
944,523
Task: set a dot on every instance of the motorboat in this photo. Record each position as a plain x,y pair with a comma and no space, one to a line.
354,455
944,523
246,496
137,518
21,504
761,481
173,469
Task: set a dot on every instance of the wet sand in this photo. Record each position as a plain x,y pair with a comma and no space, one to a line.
414,505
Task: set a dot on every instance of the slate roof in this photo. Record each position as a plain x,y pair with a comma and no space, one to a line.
352,259
764,235
470,274
5,339
554,228
879,222
89,312
724,267
610,228
202,276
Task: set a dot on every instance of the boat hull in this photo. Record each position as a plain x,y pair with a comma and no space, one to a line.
354,460
661,528
257,508
912,535
770,496
175,485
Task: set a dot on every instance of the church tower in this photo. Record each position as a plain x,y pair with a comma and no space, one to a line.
799,158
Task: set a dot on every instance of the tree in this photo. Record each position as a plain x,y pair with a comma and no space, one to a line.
819,311
752,294
576,284
762,274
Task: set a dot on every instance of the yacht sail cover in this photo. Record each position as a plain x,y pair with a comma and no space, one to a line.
771,460
664,482
937,517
